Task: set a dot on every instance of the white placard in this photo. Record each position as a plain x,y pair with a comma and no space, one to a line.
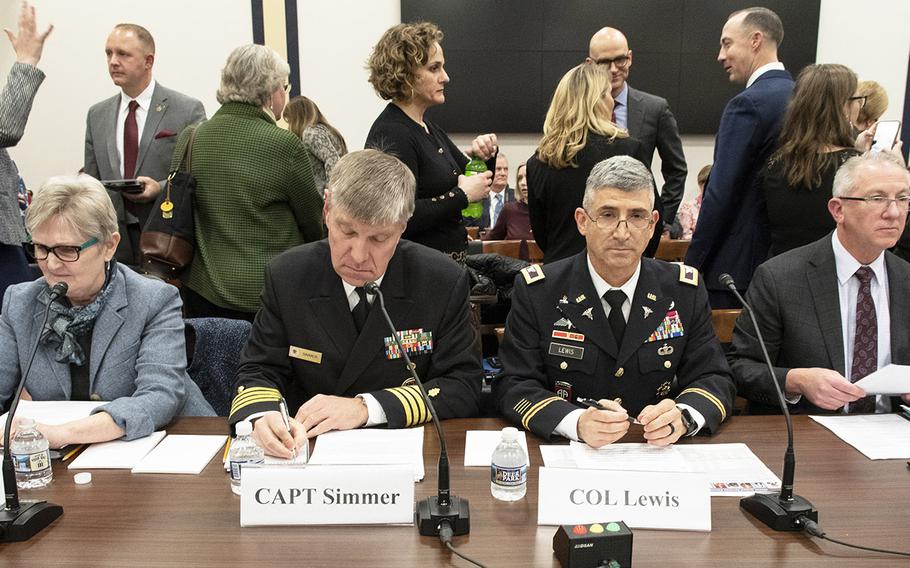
644,500
327,495
479,446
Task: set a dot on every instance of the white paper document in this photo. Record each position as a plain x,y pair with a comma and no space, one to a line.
54,411
890,379
479,446
371,446
732,469
183,453
116,454
876,436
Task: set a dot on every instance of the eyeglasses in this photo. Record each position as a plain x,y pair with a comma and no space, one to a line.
287,88
66,253
860,98
620,61
609,221
881,204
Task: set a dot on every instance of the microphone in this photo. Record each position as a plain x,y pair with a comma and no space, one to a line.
22,521
780,512
444,514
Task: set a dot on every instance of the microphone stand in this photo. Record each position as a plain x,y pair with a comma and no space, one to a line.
444,513
780,512
22,520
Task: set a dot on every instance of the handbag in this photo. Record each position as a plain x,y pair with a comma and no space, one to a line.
168,241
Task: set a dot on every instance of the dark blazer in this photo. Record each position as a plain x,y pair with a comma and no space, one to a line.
795,296
732,231
553,194
653,124
304,343
539,382
484,221
169,113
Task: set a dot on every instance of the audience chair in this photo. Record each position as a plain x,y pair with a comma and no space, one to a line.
473,232
672,250
723,321
505,248
213,347
533,254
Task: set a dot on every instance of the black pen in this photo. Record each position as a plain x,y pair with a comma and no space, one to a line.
591,403
905,411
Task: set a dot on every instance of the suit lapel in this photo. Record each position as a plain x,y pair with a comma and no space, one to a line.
106,327
822,281
368,346
635,114
46,353
331,308
898,282
113,112
584,309
646,313
153,117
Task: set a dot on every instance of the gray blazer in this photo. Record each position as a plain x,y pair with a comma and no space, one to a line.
137,361
15,105
170,112
796,300
653,124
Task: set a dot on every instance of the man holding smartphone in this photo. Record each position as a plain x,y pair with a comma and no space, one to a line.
131,135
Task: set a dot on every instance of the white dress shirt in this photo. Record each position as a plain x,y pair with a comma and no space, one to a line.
568,426
145,101
495,199
773,66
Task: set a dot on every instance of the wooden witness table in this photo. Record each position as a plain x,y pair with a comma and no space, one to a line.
123,519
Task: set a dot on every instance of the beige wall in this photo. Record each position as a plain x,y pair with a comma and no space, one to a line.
336,37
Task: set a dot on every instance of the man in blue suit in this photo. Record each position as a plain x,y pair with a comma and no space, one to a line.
500,194
732,234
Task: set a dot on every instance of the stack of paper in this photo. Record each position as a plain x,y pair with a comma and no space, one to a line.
732,468
181,454
479,446
877,436
371,447
116,454
54,411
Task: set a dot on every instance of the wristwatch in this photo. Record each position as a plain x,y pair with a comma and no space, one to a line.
689,422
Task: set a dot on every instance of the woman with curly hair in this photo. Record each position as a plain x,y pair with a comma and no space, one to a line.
577,134
407,69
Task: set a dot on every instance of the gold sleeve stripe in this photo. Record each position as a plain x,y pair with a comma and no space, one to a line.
522,406
535,409
254,395
716,401
408,416
421,412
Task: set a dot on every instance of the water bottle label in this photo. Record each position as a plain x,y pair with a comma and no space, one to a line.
28,463
509,476
236,466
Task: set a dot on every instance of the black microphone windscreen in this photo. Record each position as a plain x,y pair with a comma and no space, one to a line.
726,280
59,290
371,288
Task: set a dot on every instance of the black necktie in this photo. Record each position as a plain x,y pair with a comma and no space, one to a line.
616,320
865,339
361,310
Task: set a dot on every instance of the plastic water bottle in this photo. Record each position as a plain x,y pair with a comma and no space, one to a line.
244,450
31,457
509,468
475,166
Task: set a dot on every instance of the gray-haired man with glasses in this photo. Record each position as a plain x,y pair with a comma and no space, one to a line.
836,310
632,333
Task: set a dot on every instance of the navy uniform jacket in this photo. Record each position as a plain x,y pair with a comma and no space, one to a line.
304,343
558,346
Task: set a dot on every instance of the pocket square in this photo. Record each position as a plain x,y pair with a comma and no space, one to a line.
165,134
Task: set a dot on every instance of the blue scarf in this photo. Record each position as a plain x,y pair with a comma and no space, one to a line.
67,323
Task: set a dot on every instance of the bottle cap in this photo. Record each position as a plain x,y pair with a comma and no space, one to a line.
509,434
83,478
26,423
244,428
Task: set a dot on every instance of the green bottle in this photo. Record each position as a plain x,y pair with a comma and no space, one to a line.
475,166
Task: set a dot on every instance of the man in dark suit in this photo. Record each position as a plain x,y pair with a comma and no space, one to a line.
500,194
647,117
608,324
836,310
320,340
732,233
132,134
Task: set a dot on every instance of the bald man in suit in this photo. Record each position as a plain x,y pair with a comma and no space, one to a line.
132,134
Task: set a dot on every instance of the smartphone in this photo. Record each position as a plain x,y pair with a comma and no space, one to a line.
885,135
124,185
